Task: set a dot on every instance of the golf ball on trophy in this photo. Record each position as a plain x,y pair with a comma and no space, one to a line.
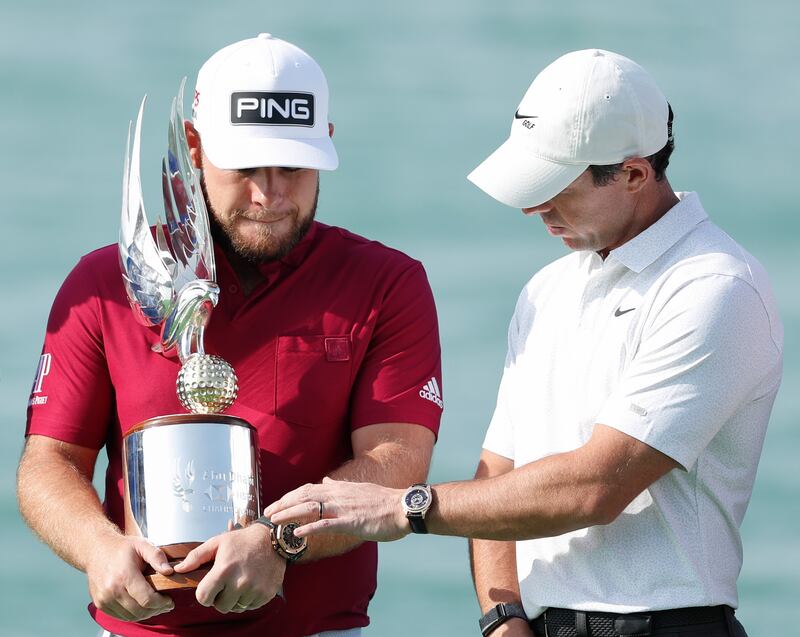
207,384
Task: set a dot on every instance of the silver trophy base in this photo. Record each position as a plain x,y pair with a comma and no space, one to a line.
189,477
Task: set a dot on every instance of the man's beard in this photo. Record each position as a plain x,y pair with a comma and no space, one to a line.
266,248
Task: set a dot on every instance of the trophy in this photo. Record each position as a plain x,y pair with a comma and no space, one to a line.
189,476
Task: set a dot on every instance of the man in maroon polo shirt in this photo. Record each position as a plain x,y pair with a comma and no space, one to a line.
335,343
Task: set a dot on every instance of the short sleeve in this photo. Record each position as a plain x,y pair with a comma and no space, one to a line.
706,350
400,378
72,395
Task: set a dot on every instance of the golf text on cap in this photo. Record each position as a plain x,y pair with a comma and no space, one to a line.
267,108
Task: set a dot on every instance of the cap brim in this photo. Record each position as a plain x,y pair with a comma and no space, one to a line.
517,178
317,153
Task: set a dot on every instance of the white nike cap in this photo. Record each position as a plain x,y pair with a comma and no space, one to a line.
588,107
263,102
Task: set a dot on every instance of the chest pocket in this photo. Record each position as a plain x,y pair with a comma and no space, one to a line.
312,379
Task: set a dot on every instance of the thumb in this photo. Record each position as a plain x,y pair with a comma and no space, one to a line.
155,557
327,480
198,556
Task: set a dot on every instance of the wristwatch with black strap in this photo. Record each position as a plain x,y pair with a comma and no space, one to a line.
499,615
417,499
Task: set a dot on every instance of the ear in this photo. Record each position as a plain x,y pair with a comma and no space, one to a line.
638,173
330,129
193,140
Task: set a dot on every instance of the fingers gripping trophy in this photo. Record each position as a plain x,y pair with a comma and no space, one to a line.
190,476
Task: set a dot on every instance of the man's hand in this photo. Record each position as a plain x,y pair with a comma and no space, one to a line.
361,509
116,583
247,572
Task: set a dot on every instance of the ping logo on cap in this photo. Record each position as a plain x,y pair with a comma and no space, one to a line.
266,108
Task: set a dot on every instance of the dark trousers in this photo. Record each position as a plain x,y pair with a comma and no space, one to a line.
717,621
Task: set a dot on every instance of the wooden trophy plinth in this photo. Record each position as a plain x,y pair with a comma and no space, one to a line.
176,553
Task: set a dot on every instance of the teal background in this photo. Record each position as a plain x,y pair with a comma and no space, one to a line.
421,92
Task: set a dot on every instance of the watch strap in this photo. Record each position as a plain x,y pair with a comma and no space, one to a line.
417,523
499,615
265,521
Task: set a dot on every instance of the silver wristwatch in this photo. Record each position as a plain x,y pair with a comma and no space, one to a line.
417,499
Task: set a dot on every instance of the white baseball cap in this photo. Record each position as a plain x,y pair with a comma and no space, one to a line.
263,102
588,107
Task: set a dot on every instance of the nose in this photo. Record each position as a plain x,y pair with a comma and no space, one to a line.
267,186
547,206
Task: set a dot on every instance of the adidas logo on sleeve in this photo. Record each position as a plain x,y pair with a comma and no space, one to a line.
430,391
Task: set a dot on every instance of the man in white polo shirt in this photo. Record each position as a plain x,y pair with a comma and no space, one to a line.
640,376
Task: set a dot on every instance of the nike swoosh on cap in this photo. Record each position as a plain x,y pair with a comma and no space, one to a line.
619,312
518,116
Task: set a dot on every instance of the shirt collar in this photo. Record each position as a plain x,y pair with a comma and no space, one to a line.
654,241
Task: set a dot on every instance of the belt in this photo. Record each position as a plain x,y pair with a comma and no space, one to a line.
562,622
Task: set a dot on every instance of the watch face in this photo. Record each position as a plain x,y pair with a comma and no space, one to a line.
416,499
291,543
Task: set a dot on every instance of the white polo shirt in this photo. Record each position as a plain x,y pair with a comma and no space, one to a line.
675,340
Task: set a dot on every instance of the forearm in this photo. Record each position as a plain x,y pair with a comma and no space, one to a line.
59,503
560,493
390,464
494,563
494,572
543,499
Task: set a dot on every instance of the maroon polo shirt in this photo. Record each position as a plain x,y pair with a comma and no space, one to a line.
341,334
